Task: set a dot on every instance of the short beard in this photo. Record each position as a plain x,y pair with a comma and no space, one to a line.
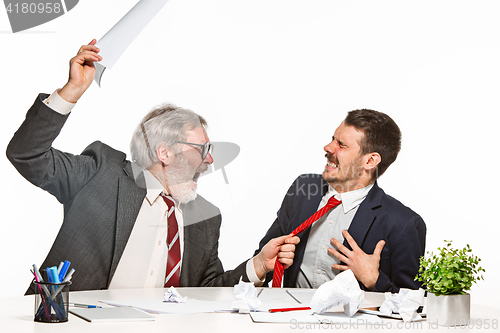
350,173
182,192
181,188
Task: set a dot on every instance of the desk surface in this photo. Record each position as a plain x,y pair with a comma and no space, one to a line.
17,316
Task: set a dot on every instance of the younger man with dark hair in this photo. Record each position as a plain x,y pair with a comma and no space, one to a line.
369,232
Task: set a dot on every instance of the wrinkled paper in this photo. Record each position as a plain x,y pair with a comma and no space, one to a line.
343,290
245,297
406,303
173,296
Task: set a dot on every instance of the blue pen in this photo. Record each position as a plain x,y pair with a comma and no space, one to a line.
64,269
52,271
49,275
60,288
53,274
88,306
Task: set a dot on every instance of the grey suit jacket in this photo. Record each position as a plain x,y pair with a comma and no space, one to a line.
101,203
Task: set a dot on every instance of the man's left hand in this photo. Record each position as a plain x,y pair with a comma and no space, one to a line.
364,266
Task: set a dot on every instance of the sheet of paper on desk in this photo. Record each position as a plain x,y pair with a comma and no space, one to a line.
112,314
287,295
304,296
191,306
301,295
161,307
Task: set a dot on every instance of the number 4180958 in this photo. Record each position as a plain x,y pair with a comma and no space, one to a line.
32,8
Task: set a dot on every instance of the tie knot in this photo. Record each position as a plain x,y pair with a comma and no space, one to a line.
168,200
332,202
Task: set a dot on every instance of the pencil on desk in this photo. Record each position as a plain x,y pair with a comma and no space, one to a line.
289,309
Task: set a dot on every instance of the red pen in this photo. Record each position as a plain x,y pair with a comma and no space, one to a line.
289,309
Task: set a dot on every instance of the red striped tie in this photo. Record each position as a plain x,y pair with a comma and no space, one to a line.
279,268
174,248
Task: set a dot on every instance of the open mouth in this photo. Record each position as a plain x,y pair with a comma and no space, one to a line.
331,164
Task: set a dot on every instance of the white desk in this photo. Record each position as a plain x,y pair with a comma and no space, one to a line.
16,315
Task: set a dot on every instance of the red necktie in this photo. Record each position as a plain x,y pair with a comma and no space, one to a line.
174,247
279,268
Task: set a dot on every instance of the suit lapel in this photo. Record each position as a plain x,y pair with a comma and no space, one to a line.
365,216
130,198
194,231
192,255
309,207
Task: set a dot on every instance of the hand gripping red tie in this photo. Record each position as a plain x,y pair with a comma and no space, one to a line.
279,268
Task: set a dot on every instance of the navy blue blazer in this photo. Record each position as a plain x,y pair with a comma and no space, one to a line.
378,217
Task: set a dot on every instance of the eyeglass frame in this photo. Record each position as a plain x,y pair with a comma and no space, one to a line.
206,148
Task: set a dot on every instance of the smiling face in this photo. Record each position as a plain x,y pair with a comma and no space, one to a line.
186,167
345,170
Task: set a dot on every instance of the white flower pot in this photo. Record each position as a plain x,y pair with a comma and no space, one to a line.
448,310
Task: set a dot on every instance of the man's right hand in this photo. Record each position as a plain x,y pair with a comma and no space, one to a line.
279,248
81,72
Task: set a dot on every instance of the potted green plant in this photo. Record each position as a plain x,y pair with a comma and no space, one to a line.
448,276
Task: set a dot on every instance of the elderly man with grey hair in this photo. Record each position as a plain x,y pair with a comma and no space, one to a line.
118,214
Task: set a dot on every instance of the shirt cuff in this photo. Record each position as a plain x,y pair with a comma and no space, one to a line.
58,104
252,276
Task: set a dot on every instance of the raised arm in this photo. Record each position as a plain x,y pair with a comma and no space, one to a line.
30,150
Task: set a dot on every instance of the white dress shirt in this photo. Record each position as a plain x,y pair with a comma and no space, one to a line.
144,260
316,267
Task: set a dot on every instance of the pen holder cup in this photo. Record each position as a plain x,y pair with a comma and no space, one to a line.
51,302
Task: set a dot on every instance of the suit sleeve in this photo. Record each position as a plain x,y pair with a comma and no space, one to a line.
201,266
30,151
214,275
283,225
400,269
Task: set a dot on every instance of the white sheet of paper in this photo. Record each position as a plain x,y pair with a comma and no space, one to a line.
286,295
302,295
191,306
122,34
161,307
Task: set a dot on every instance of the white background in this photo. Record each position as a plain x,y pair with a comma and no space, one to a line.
276,78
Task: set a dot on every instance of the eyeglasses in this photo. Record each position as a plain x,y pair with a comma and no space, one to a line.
205,148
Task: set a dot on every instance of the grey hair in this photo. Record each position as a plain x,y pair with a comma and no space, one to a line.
165,124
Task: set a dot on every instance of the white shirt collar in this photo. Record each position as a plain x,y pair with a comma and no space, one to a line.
153,187
350,200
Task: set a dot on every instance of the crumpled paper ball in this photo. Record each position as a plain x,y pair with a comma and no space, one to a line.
406,303
343,290
245,297
173,296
